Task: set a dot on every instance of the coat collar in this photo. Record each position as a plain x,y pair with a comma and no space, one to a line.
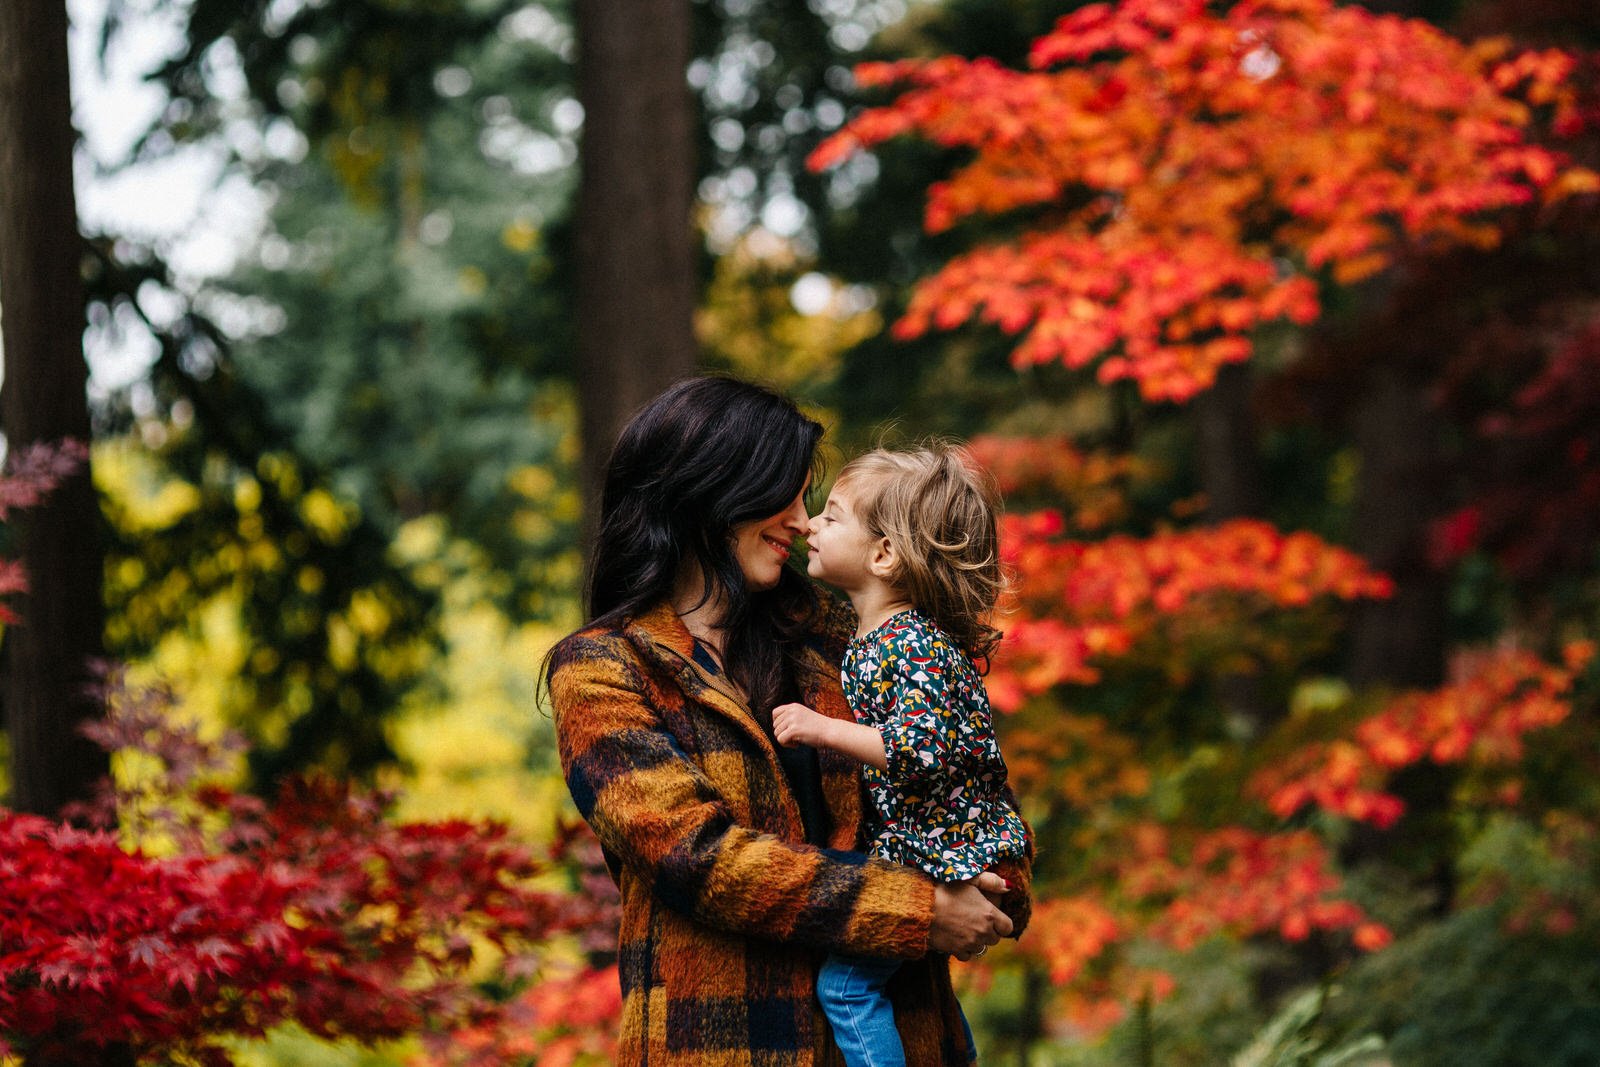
665,642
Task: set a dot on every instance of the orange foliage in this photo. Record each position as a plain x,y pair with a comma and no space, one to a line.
1497,696
1237,882
1078,763
1084,600
1192,167
1070,932
565,1020
1094,1006
1180,888
1082,604
1094,482
1190,173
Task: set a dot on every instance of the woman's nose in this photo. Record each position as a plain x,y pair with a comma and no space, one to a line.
796,518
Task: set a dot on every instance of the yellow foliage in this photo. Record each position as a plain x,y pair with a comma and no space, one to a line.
420,538
326,515
310,580
533,482
473,281
343,647
520,236
749,322
282,472
531,525
480,748
290,1046
485,749
126,472
247,495
368,614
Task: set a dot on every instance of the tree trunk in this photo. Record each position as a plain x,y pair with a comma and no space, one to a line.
1228,456
1229,461
44,399
1399,641
636,266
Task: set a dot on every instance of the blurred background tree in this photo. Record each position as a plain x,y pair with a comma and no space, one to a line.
44,402
1298,667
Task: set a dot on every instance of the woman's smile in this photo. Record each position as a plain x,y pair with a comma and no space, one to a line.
764,546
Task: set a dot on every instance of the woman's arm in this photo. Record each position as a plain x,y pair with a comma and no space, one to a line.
653,809
798,724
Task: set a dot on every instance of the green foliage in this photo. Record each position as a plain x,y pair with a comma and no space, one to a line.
373,57
1292,1039
377,357
1465,992
318,634
290,1046
408,305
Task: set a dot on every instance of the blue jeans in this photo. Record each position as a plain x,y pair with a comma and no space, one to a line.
851,989
853,996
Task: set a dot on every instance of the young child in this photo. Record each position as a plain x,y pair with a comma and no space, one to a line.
910,538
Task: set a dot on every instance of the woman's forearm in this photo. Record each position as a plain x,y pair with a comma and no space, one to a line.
656,811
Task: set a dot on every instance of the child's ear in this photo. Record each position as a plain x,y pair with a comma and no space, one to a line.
883,563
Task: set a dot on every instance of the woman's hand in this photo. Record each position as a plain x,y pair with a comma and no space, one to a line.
965,920
796,724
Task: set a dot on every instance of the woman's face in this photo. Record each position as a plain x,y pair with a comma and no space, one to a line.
762,547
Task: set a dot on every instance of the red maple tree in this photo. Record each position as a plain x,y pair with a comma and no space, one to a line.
1192,173
1174,178
194,912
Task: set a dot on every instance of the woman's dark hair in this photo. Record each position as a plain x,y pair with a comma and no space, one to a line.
706,455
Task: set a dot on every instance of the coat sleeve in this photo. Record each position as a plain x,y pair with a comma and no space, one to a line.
1017,902
661,818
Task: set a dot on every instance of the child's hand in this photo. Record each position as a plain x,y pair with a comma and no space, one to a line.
796,724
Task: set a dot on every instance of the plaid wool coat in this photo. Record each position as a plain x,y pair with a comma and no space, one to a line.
726,912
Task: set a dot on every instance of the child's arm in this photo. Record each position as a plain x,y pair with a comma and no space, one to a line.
796,724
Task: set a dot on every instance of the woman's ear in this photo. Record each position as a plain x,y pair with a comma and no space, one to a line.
883,563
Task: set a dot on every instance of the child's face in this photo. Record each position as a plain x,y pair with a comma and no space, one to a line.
841,547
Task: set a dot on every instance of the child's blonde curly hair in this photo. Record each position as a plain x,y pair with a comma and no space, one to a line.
939,514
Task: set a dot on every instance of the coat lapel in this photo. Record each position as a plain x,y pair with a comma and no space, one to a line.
666,644
841,775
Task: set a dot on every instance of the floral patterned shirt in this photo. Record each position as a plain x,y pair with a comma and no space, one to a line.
942,805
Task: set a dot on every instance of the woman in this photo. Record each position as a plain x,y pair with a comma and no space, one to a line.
737,859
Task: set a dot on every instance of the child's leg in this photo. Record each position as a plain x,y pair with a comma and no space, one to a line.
851,989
